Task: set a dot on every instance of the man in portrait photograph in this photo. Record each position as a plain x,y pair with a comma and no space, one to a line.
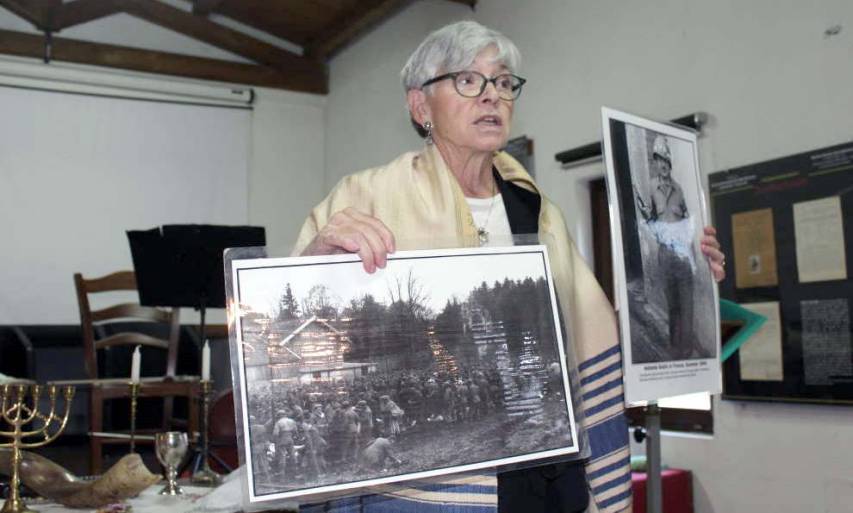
668,219
661,241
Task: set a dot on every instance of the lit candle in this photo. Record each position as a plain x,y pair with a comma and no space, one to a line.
135,365
205,362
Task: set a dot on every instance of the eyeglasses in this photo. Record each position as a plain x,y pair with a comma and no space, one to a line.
471,84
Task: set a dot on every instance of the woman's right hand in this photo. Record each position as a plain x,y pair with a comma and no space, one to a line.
350,231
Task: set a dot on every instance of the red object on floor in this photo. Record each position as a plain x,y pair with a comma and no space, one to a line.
223,433
677,488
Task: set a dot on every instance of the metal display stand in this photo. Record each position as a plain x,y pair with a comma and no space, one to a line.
651,432
651,435
654,489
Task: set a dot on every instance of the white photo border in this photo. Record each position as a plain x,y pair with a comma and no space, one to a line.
636,390
235,323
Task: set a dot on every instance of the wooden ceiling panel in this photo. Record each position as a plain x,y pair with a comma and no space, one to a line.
149,61
321,27
348,25
294,20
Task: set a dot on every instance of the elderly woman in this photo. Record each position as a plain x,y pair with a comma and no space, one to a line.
461,88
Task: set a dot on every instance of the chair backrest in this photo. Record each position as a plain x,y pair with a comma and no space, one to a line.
122,281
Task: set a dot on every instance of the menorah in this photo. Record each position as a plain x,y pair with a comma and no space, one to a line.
17,413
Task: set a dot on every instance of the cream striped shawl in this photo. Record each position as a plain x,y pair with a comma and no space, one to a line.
417,195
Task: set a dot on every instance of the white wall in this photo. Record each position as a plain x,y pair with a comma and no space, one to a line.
77,171
287,164
773,85
366,119
285,156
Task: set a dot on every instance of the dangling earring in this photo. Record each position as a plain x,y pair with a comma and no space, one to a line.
428,128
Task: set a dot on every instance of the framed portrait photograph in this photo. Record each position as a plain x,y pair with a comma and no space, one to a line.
666,296
442,362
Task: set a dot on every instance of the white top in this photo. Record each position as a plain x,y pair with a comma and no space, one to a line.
490,213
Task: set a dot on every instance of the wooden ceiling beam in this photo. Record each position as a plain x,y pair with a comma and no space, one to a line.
149,61
82,11
205,7
49,8
350,25
470,3
220,36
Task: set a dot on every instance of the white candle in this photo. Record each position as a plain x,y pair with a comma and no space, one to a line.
205,362
135,365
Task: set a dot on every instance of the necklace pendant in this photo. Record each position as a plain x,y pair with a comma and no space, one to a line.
483,235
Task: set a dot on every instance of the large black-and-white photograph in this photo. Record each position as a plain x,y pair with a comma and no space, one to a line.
442,362
672,306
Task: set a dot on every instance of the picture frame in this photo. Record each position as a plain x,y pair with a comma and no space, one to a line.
667,299
445,361
802,352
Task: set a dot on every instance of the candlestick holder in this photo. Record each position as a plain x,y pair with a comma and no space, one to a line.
134,395
15,410
204,475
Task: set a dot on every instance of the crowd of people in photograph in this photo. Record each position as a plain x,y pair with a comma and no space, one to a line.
309,430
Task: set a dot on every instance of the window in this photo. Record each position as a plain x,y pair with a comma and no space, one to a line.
692,412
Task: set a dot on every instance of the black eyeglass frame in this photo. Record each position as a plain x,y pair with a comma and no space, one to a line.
486,80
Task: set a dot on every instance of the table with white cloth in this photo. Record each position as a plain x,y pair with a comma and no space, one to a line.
149,501
462,493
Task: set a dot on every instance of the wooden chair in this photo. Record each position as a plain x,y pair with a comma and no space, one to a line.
94,322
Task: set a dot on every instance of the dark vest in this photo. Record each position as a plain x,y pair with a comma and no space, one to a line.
550,488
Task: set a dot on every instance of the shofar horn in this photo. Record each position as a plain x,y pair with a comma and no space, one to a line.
125,479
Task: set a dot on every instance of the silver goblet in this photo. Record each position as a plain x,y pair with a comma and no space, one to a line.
171,447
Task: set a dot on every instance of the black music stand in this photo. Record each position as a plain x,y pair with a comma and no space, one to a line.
180,265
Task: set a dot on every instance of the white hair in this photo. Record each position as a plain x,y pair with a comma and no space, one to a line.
453,48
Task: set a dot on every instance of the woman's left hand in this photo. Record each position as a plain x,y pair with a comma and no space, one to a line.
711,250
